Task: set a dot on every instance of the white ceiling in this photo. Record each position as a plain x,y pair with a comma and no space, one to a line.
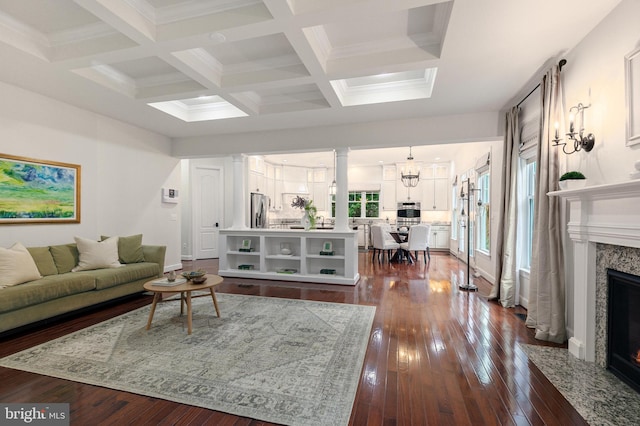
278,64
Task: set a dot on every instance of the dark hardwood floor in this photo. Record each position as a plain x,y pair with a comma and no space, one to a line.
436,356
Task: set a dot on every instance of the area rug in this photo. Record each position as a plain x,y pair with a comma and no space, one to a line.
278,360
595,393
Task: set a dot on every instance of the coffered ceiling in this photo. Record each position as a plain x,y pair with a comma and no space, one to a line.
187,68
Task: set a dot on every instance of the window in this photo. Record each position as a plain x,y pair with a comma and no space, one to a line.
361,204
483,216
529,176
454,210
464,217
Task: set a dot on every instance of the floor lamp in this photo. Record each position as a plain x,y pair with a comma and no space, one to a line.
468,286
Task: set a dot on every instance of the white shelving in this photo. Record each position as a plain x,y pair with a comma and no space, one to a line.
304,263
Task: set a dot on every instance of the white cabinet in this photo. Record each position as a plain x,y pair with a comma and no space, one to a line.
436,195
439,237
409,194
295,180
257,183
435,185
320,188
389,195
304,262
389,180
320,196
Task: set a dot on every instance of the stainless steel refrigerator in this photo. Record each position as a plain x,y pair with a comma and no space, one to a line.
259,210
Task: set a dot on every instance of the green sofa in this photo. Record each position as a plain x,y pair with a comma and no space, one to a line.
61,291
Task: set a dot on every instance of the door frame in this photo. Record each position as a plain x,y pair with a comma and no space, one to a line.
194,228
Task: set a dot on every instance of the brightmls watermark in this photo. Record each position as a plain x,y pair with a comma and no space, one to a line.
34,414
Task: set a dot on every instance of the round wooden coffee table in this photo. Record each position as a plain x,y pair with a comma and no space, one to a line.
185,290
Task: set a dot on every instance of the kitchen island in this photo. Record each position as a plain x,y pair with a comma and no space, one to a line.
318,256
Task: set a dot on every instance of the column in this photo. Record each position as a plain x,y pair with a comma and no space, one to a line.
239,213
342,190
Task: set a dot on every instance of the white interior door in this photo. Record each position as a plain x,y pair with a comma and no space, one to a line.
207,208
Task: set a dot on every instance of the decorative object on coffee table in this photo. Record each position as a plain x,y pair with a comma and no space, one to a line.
190,275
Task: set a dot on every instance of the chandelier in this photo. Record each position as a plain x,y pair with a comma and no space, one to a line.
410,174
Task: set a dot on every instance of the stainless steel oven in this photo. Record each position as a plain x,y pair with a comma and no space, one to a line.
408,214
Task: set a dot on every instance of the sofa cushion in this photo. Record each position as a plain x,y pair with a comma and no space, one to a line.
65,257
44,289
129,248
44,260
112,277
97,254
17,266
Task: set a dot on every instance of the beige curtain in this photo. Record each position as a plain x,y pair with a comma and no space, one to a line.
546,311
505,290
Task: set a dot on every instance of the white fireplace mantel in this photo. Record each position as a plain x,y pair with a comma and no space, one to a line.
608,214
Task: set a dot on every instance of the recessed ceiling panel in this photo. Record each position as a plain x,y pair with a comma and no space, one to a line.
141,78
389,87
202,108
257,60
48,16
287,99
381,40
254,52
184,19
300,7
144,68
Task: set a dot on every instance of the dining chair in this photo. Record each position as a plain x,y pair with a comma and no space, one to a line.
382,242
417,241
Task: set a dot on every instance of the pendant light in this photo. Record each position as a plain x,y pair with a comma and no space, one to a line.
410,175
334,184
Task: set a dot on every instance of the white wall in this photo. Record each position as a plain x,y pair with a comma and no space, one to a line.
465,160
123,171
596,66
595,73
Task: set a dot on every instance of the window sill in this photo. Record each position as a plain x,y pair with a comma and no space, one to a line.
484,253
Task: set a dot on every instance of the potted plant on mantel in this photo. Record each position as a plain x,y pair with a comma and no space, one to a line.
572,180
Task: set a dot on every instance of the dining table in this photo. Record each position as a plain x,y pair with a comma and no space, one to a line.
400,254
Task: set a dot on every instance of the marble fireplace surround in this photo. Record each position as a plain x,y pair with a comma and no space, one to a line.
604,227
623,259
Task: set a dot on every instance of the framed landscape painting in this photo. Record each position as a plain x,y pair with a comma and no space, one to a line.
38,191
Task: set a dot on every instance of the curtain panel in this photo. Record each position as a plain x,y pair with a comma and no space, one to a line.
505,289
546,312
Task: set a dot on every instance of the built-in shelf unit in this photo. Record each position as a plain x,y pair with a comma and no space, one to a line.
304,261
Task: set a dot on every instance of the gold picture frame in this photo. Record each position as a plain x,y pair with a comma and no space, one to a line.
38,191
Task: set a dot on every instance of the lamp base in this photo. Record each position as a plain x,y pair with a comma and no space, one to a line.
468,287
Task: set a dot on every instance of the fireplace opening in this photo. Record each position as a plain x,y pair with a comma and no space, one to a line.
623,346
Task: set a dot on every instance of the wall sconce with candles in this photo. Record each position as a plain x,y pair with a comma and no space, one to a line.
580,142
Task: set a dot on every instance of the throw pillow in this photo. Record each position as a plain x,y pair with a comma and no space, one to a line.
129,248
44,260
17,266
65,257
97,254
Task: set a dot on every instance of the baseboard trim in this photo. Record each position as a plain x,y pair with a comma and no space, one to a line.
175,266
